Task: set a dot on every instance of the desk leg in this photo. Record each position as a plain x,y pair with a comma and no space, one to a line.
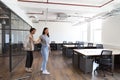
112,63
73,59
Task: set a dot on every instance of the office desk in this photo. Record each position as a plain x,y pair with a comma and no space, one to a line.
89,54
67,50
58,46
85,46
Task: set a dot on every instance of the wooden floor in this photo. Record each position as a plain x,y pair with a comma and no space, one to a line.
60,68
4,68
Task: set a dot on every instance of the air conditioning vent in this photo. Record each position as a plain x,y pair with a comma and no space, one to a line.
35,21
61,16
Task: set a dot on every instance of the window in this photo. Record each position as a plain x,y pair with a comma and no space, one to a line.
83,32
96,29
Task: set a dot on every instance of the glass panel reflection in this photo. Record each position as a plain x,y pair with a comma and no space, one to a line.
0,41
19,29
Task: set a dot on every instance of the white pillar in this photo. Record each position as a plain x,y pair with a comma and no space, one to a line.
88,31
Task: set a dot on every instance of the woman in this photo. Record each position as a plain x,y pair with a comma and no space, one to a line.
29,47
45,50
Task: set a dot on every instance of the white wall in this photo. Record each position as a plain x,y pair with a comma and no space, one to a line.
111,31
59,31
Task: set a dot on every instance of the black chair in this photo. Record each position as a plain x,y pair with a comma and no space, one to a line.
105,62
53,45
77,42
90,45
64,42
80,45
52,41
37,47
99,46
70,43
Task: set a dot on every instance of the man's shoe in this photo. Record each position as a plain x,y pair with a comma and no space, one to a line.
28,70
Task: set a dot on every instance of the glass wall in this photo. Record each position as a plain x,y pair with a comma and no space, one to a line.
0,39
19,29
13,30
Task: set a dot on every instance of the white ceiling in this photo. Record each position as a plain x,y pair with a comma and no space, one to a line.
69,10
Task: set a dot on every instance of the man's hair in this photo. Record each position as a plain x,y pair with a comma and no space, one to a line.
32,29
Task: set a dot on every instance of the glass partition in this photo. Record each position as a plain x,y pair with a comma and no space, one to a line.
19,29
13,30
0,39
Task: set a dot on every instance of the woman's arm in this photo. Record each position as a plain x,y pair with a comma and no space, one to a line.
38,41
34,41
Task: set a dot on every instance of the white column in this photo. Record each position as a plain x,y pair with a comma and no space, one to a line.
88,31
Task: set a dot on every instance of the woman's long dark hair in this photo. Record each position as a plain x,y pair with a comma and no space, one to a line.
44,31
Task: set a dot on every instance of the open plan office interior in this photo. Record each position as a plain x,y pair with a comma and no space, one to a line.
84,42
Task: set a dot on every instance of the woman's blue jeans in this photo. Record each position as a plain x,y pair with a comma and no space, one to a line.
45,54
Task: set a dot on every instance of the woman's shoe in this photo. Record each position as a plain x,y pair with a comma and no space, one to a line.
41,69
45,72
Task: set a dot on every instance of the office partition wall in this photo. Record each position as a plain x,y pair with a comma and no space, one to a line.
0,39
13,30
19,29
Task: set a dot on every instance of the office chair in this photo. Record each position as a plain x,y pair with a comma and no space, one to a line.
53,45
37,47
99,46
80,45
105,62
77,42
52,41
64,42
70,43
90,45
